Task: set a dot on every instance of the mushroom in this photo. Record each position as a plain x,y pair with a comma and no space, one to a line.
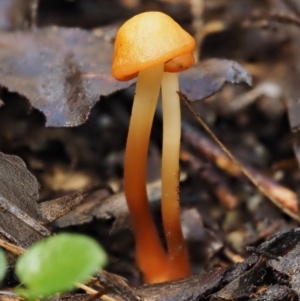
153,47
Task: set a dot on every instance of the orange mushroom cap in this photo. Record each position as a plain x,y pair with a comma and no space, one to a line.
149,39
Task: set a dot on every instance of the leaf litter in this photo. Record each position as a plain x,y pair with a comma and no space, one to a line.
61,71
259,123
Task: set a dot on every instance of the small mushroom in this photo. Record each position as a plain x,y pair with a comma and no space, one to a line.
153,47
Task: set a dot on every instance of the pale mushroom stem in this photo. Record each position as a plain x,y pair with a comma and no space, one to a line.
150,255
177,250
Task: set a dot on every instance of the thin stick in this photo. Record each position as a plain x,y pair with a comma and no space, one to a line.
11,247
91,291
246,172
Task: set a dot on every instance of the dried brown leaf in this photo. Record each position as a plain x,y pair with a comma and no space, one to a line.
208,77
63,72
103,206
21,217
19,213
54,209
15,14
18,185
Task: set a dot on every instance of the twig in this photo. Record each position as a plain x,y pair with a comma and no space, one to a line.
11,247
239,166
287,19
91,291
216,182
235,258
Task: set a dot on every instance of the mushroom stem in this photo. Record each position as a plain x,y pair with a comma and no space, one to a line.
177,250
150,255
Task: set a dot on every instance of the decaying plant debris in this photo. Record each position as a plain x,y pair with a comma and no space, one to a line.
64,121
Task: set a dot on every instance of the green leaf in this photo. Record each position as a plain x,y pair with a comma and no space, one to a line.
56,263
3,265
